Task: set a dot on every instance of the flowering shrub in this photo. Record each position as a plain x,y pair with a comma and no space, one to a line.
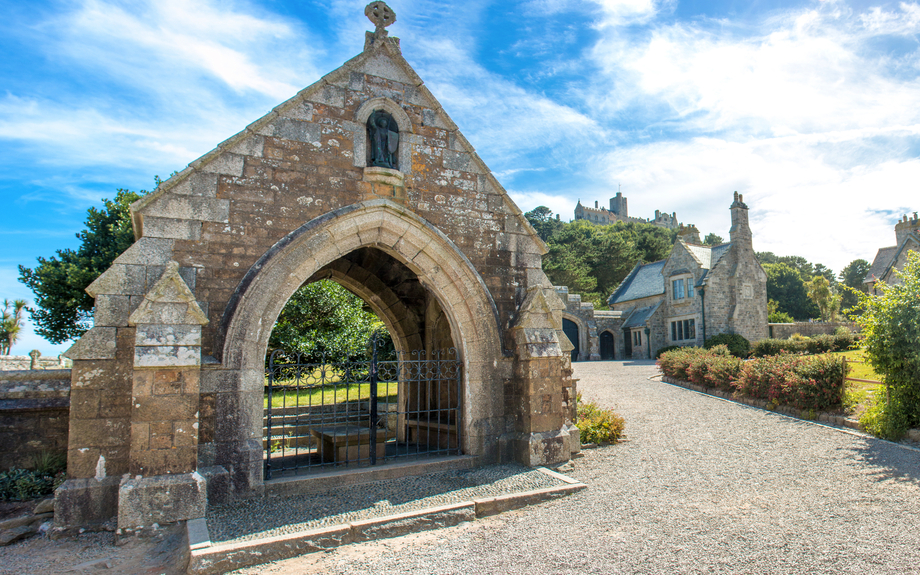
708,367
806,382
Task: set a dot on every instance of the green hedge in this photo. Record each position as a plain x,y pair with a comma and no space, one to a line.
809,345
737,345
806,382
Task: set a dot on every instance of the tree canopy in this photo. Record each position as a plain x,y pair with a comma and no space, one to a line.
10,324
63,309
786,287
326,323
593,259
852,276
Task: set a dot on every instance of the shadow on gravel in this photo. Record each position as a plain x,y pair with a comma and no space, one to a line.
892,461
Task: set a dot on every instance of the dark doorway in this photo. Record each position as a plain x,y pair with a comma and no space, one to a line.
570,329
606,345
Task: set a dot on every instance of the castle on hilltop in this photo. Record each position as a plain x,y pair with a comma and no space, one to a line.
618,212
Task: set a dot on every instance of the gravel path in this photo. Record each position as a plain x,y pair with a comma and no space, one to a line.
701,486
270,517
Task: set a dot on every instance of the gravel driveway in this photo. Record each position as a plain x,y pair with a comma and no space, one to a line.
701,486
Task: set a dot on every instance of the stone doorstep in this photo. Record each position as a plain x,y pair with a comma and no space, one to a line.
207,558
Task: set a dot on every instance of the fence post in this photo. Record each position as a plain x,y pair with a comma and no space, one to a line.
372,443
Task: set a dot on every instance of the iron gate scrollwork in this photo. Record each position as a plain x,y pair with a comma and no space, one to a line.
320,414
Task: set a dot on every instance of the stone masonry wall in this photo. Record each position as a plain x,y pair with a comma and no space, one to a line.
34,412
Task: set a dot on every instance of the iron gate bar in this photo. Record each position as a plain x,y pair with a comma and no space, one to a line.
323,420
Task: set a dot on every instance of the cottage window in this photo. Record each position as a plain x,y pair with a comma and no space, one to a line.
681,288
637,338
683,330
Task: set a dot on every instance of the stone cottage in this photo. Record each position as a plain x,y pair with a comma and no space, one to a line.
698,292
361,178
887,260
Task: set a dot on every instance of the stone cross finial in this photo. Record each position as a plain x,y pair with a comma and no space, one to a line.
380,14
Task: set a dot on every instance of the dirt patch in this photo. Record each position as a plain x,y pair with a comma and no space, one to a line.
164,553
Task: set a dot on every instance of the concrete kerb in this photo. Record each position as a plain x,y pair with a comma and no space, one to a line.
207,558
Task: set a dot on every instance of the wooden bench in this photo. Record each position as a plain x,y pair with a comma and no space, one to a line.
340,443
433,434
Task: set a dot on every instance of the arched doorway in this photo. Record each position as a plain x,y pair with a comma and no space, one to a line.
570,328
331,405
607,349
324,248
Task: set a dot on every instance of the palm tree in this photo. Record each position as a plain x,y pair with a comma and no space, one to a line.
10,324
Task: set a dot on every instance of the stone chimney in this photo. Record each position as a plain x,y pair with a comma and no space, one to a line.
690,234
740,230
903,228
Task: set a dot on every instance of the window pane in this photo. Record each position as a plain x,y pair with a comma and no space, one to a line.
689,287
691,329
673,331
680,330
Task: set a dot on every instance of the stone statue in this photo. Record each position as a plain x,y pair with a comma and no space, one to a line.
383,140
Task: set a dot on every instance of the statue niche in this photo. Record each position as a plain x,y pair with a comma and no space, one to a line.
383,140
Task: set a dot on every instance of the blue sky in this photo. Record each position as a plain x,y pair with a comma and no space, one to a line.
808,108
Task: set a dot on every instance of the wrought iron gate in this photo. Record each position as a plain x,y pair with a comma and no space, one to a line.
320,415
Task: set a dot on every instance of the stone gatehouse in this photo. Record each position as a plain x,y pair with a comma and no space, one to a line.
361,178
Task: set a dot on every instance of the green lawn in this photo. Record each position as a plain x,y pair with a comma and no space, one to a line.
328,394
860,395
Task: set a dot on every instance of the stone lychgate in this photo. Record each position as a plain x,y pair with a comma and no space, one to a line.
361,178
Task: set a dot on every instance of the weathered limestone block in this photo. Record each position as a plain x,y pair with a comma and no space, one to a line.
162,499
97,343
85,503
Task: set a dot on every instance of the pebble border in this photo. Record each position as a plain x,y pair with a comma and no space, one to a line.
209,559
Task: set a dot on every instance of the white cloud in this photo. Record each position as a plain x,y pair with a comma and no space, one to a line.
502,119
800,205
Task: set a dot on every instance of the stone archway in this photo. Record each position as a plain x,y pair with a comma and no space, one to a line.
259,298
167,386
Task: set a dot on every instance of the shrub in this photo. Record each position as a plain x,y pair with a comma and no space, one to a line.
738,346
891,330
805,382
780,317
675,362
771,346
23,484
597,424
665,349
714,367
844,340
820,344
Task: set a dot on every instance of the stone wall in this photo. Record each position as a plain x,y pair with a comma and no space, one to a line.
34,360
34,415
808,329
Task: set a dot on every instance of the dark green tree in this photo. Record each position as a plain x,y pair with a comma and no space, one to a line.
326,322
852,276
63,309
713,240
542,220
786,287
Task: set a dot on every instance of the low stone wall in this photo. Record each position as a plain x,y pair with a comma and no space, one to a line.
35,360
34,415
808,329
